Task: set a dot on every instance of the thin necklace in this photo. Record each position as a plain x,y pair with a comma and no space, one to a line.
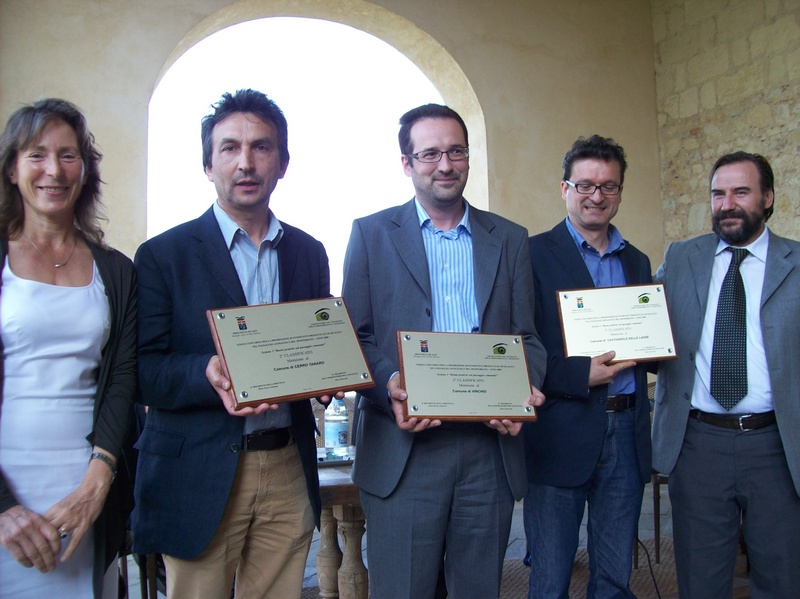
64,263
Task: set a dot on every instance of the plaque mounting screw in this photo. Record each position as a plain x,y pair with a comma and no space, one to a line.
407,337
221,315
414,408
364,376
244,394
338,303
528,408
516,340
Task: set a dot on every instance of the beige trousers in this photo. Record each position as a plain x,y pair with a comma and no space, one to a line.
262,540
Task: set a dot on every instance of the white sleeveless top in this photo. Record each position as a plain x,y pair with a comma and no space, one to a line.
53,337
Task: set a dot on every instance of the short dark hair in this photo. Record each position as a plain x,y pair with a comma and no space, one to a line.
22,129
245,100
426,111
604,148
766,178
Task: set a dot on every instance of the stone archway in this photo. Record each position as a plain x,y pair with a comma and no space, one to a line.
423,50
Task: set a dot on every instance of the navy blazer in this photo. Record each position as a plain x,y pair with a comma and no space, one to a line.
190,445
563,447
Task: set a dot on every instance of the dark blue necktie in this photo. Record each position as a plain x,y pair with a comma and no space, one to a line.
729,356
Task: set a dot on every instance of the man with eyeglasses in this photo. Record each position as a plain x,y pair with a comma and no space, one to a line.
591,443
436,263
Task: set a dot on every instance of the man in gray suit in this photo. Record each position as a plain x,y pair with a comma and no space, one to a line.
436,264
730,438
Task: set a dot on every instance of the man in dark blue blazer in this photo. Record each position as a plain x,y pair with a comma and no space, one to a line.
218,492
592,441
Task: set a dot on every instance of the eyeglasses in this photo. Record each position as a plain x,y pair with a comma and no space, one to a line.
588,189
431,156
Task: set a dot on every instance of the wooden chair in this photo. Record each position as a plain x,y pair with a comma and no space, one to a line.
658,479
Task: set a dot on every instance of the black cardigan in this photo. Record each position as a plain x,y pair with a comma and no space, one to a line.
116,393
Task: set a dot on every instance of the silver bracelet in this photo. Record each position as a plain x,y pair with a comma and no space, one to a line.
107,461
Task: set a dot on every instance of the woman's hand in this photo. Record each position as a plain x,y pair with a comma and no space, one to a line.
77,511
30,538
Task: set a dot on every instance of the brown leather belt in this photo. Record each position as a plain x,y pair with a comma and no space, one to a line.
276,438
742,422
620,403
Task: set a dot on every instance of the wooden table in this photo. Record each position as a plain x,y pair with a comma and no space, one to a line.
340,570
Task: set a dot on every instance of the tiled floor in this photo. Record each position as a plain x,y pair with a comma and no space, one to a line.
516,542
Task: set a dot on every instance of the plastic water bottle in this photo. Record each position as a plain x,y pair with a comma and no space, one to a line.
337,440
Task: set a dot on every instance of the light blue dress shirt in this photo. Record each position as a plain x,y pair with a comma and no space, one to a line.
257,269
606,271
450,266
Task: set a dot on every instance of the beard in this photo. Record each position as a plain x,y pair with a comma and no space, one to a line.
748,226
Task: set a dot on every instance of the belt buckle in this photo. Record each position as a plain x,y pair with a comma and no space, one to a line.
741,422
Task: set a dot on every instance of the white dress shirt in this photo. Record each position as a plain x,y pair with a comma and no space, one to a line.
759,391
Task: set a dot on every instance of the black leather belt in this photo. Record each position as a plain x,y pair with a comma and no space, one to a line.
742,422
276,438
620,403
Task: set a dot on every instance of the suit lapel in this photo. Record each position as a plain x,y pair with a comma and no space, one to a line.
407,240
701,262
486,260
212,252
566,253
777,268
287,259
631,267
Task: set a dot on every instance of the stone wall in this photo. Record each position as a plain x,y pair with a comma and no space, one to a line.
727,78
531,66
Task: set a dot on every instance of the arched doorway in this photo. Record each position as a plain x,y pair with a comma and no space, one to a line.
342,90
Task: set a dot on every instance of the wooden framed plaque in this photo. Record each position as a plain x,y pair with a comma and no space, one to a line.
632,320
274,353
464,376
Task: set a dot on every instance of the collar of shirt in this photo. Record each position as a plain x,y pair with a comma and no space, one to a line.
615,240
463,225
758,248
229,227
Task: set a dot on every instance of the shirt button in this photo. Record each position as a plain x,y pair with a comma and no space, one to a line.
234,448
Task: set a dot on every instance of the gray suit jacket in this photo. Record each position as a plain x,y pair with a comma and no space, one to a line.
686,273
387,288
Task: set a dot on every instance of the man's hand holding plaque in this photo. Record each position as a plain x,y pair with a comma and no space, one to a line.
603,368
273,353
632,321
460,376
413,424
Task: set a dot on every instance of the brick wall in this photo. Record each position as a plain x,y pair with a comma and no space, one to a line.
727,78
